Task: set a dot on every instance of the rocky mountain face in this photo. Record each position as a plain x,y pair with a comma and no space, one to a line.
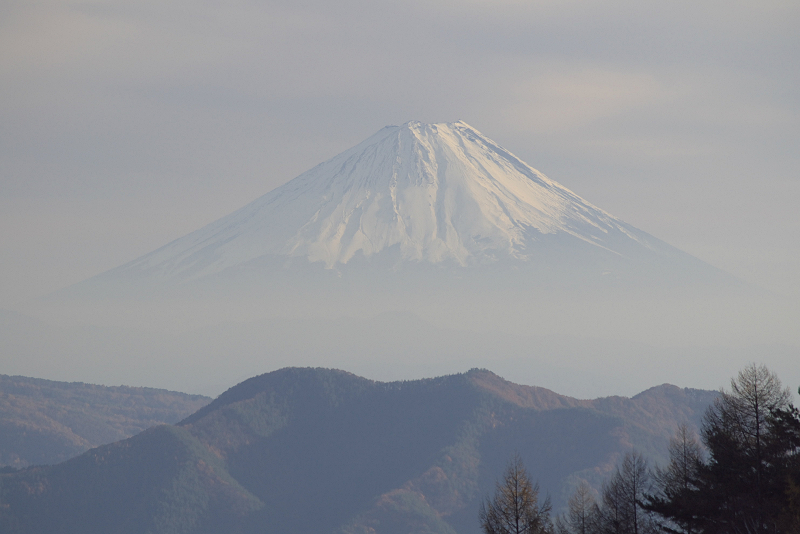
318,450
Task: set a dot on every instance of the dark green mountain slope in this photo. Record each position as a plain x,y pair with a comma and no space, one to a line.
324,451
46,422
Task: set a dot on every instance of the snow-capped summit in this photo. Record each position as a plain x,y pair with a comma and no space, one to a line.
430,192
435,220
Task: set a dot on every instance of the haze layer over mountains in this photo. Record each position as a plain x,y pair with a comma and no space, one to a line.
424,248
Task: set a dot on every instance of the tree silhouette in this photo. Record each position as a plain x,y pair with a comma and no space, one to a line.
749,484
742,479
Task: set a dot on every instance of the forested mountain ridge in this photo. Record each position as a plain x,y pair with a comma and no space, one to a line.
46,422
319,450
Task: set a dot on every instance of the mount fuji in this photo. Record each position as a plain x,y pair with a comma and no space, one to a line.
409,196
426,249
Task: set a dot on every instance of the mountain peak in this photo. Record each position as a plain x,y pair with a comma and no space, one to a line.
418,192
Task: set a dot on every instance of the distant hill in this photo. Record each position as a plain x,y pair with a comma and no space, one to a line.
47,422
325,451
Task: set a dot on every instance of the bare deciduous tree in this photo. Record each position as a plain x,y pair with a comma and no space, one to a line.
515,507
581,514
622,509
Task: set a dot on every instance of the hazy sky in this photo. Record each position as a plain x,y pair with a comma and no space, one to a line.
126,124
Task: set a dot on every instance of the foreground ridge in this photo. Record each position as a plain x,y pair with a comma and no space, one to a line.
415,455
